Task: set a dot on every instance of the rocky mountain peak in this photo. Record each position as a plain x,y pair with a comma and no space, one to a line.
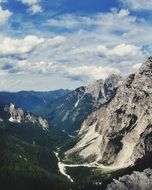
142,79
94,88
146,67
13,114
113,80
104,87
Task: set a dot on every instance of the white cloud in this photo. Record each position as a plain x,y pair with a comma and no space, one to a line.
118,18
34,6
68,22
136,66
29,2
99,45
124,51
57,40
18,46
114,27
83,73
138,4
102,49
123,13
12,46
3,1
91,72
35,9
62,56
40,83
4,16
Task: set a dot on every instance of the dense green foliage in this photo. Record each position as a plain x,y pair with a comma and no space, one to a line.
27,160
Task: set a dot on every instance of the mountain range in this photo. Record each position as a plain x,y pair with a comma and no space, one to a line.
31,100
111,145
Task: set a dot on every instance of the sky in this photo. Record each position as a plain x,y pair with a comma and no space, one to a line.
51,44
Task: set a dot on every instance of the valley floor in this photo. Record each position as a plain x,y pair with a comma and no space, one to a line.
63,167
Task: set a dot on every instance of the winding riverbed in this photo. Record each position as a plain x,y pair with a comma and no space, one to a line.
62,166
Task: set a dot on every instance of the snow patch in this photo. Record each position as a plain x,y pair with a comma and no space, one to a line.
79,99
77,103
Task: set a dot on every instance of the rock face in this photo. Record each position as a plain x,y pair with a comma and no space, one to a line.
70,111
137,180
120,132
9,113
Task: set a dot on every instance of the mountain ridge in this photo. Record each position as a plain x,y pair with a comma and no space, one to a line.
31,100
118,133
69,111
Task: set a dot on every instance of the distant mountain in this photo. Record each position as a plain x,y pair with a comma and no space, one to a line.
119,134
69,111
31,100
9,113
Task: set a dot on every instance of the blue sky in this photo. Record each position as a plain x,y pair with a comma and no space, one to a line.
51,44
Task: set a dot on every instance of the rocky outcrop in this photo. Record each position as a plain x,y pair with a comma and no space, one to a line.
70,111
120,132
9,113
137,180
